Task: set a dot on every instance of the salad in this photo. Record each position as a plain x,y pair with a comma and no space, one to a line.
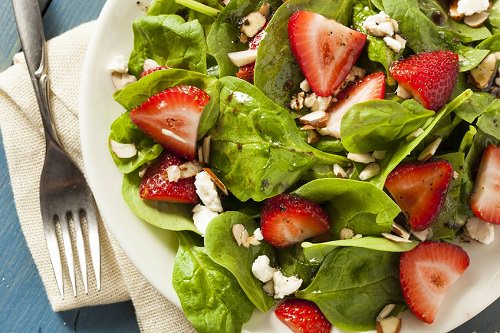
312,157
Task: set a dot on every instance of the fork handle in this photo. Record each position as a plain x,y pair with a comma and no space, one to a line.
30,27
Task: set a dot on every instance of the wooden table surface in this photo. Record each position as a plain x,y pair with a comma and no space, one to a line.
23,303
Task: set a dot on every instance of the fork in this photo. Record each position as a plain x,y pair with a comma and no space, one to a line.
65,197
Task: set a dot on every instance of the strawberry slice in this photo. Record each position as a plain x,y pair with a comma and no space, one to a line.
419,189
171,118
254,43
302,316
485,200
287,219
426,272
156,186
430,77
246,72
369,88
325,50
152,70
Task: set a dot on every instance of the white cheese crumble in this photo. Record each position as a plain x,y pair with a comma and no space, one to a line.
205,188
380,25
469,7
257,233
304,85
202,216
262,269
321,103
403,93
118,65
310,100
173,173
284,286
480,230
150,64
123,150
252,24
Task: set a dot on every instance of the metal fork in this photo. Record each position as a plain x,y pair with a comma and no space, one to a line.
65,197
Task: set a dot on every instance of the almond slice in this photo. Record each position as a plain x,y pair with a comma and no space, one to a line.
386,311
454,14
371,170
361,158
422,235
484,72
389,325
316,119
216,180
242,58
400,231
395,238
206,149
476,20
430,150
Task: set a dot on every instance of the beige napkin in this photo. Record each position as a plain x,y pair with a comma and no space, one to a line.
23,139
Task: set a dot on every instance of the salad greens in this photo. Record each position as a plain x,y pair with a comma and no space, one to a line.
258,150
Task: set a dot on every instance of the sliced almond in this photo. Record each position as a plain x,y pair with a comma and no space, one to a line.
400,231
339,171
389,325
269,287
307,127
239,233
395,238
430,150
316,119
371,170
242,58
484,72
361,158
216,180
206,149
357,236
386,311
454,14
403,93
200,154
190,169
123,150
476,20
422,235
171,134
265,9
252,24
379,154
312,137
415,134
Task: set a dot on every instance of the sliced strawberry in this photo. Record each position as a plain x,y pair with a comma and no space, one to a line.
156,186
154,69
369,88
485,200
325,50
430,77
246,72
419,189
426,273
254,43
302,316
171,117
287,219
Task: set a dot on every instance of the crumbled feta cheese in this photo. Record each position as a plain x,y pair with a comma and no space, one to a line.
205,188
252,24
403,93
401,41
240,234
297,102
480,230
258,234
346,233
380,25
121,80
262,270
123,150
310,100
469,7
321,103
304,85
118,65
150,64
393,44
202,216
173,173
284,286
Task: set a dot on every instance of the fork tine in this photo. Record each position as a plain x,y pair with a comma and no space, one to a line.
68,250
90,217
80,249
55,256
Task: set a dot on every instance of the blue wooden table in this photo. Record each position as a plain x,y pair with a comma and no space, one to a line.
23,303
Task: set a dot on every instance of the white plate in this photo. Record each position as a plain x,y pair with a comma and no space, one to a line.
152,250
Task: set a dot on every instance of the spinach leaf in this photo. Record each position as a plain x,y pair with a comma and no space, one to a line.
210,296
377,4
317,252
164,215
393,158
277,74
428,37
433,9
123,130
494,17
138,92
170,41
380,124
294,262
352,204
353,285
223,249
492,43
474,106
376,49
489,121
257,150
329,144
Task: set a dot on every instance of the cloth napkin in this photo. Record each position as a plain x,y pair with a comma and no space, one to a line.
24,141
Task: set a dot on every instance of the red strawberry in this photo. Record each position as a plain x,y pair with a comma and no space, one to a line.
419,189
156,186
426,272
154,69
246,72
369,88
485,201
254,43
302,316
171,117
430,77
325,50
287,219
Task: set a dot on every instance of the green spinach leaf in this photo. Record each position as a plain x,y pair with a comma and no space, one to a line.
474,106
293,262
353,285
210,295
489,121
223,249
494,17
257,150
352,204
170,41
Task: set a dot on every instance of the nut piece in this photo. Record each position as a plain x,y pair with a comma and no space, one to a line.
339,171
386,311
454,14
361,158
371,170
476,20
123,150
422,235
389,325
484,72
265,9
395,238
346,233
242,58
216,180
400,231
206,148
312,136
430,150
415,134
316,119
252,23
